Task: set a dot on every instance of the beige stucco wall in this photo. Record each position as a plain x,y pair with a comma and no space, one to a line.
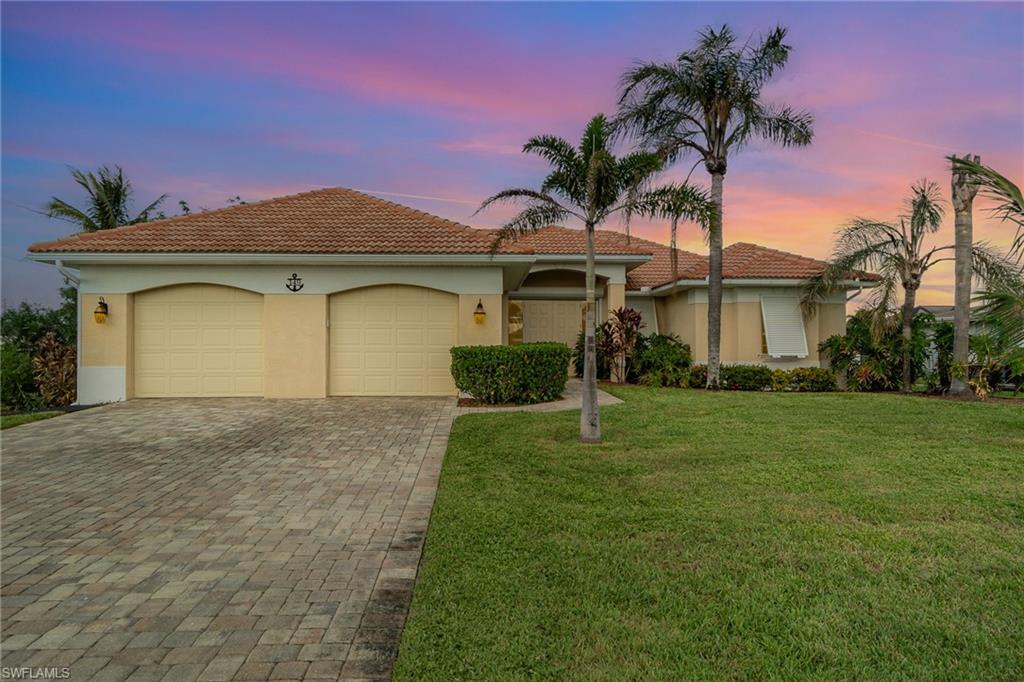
490,332
105,350
685,315
295,345
615,298
831,320
108,344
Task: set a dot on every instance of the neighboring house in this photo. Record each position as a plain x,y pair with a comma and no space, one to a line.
944,313
334,292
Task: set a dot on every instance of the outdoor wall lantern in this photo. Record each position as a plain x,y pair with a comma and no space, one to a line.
101,311
479,315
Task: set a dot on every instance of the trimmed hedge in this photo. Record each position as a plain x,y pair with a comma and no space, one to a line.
804,379
526,373
762,378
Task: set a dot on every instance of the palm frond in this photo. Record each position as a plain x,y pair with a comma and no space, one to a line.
143,215
995,269
517,194
555,150
62,210
860,253
925,207
530,219
1003,312
784,126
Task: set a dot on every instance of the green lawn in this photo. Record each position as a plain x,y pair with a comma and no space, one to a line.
729,535
8,421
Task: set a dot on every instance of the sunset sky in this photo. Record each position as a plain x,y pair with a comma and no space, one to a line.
429,105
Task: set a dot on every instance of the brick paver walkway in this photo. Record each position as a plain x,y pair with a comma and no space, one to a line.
217,539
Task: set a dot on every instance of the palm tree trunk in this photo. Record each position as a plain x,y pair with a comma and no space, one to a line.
963,199
909,301
715,282
673,256
590,418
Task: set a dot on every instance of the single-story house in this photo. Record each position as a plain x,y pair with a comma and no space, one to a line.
335,292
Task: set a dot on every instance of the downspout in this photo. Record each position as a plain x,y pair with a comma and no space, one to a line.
67,273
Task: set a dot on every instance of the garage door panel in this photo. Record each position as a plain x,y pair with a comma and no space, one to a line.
377,360
410,361
377,314
198,340
414,337
559,321
249,362
392,340
378,337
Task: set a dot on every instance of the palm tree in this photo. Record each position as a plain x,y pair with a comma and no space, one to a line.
897,251
108,195
591,184
1009,204
1002,307
708,102
964,187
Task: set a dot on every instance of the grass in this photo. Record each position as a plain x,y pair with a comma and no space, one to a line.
729,535
1008,394
9,421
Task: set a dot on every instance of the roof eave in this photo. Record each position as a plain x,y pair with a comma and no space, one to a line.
161,258
754,282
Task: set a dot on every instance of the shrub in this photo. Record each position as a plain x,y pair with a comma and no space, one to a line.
17,385
734,377
698,376
622,332
26,325
663,361
527,373
804,379
54,368
746,377
603,365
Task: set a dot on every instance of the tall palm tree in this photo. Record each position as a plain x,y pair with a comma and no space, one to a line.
898,253
708,103
591,184
964,189
108,194
1003,306
1009,202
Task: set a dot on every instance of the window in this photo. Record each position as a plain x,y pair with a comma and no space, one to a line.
783,327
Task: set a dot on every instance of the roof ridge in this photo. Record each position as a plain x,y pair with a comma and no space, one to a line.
406,209
774,250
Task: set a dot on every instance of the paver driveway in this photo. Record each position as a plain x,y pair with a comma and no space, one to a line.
217,539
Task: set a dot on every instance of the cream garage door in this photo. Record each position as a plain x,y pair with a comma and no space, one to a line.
198,340
392,340
554,320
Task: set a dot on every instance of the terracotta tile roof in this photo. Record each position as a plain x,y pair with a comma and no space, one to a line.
741,260
557,240
332,220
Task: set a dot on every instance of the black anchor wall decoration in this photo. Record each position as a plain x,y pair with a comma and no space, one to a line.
294,283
